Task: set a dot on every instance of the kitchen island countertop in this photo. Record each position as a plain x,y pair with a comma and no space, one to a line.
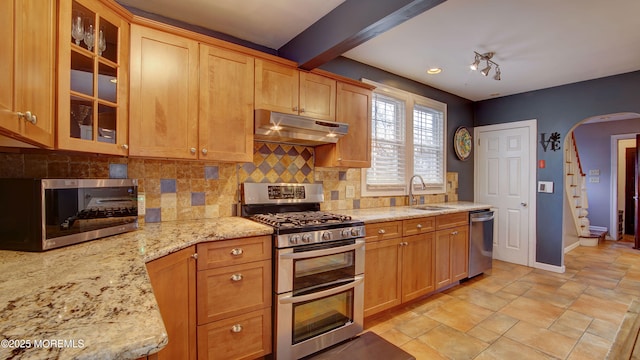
94,300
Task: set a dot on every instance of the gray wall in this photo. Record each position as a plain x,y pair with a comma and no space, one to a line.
459,112
559,109
594,148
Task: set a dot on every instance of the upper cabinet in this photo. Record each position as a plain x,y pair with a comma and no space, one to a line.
27,58
164,94
226,105
285,89
189,100
92,78
354,149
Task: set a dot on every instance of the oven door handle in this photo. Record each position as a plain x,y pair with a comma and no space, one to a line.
320,294
324,252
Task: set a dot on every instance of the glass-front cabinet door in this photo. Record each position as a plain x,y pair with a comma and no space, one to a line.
93,78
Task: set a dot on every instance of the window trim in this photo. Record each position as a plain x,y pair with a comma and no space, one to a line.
410,100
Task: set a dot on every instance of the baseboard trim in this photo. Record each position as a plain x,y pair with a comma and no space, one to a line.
571,247
548,267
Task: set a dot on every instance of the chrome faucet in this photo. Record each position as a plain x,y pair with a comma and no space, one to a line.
424,186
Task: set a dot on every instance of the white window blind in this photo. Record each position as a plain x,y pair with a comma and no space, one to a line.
388,165
428,138
408,137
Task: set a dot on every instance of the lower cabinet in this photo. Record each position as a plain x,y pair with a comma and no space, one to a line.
409,259
228,286
173,278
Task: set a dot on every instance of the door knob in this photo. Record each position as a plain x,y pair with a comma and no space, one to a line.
524,204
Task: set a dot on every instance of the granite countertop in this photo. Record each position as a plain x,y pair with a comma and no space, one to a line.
94,300
375,215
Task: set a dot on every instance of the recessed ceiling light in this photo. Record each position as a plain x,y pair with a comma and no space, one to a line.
434,71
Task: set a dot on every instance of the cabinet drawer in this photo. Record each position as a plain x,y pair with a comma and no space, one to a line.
449,220
231,252
383,231
418,226
233,290
246,336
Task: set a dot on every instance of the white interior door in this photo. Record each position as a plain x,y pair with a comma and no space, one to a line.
503,180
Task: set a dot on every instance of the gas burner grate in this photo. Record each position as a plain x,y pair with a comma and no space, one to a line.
300,219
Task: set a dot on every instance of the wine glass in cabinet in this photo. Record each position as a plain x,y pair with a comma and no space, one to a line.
93,77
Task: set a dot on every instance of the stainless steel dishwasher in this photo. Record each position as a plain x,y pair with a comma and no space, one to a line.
480,241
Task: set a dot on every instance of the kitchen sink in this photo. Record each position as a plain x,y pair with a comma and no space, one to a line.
431,207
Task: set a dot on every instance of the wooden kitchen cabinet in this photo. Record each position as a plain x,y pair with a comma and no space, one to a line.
234,296
93,77
451,248
354,149
164,94
226,105
383,275
27,58
397,269
285,89
173,279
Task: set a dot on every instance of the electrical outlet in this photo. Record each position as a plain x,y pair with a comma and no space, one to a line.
141,204
351,192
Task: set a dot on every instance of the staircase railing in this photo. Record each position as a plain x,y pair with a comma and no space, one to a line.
576,189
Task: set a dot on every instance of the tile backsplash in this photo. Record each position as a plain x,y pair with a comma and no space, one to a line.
183,189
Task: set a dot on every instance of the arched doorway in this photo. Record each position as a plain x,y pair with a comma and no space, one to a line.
597,139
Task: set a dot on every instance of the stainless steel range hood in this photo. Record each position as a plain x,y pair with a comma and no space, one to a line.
295,129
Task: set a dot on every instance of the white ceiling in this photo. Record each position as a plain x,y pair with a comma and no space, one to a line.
538,43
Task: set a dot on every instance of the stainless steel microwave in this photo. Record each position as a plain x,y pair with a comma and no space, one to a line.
44,214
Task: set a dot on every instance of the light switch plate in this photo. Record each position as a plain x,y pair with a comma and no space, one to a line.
141,204
350,192
545,186
594,179
595,172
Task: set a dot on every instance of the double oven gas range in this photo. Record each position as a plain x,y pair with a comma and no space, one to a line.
318,267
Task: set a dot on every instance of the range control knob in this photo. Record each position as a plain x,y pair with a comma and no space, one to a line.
294,239
306,238
346,232
326,235
355,232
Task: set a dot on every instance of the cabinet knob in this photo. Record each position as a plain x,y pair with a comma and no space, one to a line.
192,150
204,151
125,147
404,243
236,277
28,116
236,251
236,328
295,108
419,226
301,110
195,256
454,233
381,231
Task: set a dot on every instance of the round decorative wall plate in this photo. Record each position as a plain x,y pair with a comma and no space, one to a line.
462,143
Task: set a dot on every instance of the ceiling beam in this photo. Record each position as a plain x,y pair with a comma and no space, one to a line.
347,26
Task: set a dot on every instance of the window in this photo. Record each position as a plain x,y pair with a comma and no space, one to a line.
405,142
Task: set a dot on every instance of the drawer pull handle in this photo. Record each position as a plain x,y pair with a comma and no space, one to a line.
381,231
454,233
419,226
236,277
236,328
236,251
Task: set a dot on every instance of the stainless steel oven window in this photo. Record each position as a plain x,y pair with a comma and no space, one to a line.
316,317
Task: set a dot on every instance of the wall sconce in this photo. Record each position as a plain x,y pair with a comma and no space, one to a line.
486,57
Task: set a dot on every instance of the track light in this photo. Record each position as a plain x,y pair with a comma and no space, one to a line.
486,57
497,75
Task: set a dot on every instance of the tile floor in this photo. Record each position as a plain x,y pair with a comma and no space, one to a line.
516,312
